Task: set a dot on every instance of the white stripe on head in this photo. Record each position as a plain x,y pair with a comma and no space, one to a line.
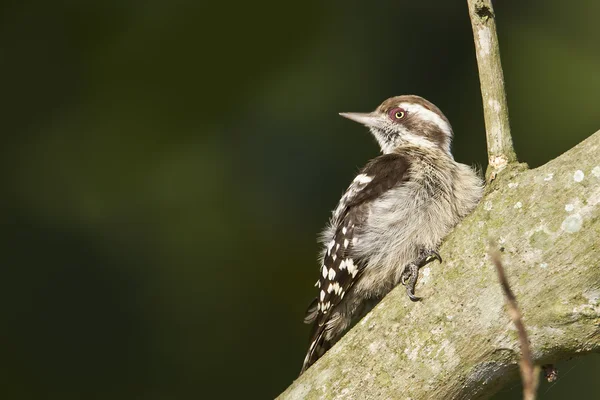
389,146
420,141
429,116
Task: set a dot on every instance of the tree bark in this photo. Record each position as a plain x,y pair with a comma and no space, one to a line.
459,342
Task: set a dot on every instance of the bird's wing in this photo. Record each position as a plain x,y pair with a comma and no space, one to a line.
340,270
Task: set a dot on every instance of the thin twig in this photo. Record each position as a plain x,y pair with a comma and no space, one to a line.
495,109
529,374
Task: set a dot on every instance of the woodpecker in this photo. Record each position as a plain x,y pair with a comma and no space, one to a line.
392,218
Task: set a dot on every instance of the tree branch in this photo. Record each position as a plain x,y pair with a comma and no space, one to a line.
495,110
458,342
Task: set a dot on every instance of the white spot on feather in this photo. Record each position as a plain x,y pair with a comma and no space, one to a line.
351,267
596,171
487,206
513,185
518,205
331,274
578,176
362,178
330,246
346,243
569,207
549,177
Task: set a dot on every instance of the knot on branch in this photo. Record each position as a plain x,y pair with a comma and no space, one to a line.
498,163
484,12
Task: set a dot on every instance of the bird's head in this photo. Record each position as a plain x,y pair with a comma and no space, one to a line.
404,120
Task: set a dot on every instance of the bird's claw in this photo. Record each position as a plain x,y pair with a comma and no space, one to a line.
411,295
411,272
409,280
428,256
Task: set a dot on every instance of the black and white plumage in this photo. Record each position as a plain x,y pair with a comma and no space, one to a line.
392,217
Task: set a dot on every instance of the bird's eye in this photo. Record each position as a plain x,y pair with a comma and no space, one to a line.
397,114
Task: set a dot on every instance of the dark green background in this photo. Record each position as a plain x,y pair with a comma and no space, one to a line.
166,167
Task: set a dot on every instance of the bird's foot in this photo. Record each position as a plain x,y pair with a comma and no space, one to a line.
409,280
428,256
411,271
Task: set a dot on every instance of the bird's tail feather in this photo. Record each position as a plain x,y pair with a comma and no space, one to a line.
318,346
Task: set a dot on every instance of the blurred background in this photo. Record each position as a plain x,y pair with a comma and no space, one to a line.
166,167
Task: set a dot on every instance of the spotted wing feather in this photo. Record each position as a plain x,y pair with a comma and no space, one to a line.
341,269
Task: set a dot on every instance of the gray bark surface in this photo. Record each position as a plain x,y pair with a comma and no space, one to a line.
459,342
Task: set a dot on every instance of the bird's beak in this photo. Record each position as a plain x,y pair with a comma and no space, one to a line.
370,120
